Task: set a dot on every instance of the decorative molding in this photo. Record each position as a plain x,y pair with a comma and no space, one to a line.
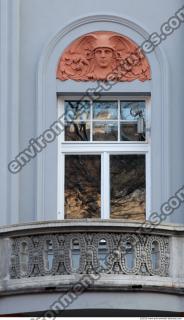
86,253
42,96
98,55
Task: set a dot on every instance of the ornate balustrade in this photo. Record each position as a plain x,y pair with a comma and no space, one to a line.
84,253
42,255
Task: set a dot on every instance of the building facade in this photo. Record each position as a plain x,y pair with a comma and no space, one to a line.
92,179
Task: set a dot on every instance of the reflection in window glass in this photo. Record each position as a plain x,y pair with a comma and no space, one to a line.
105,110
129,132
132,125
82,186
77,110
121,121
132,110
127,183
105,131
77,131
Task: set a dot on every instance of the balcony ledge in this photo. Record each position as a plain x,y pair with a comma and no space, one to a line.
85,224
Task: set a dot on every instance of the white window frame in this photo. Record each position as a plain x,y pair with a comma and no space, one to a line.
105,149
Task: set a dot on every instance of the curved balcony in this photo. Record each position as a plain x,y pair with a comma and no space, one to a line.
121,254
99,255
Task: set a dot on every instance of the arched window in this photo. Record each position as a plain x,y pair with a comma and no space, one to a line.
104,149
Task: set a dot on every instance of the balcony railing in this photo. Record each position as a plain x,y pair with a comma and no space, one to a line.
43,255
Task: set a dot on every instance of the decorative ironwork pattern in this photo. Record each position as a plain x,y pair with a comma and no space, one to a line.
84,253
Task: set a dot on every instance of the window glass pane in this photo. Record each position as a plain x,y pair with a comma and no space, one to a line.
127,185
132,110
82,186
129,132
77,131
77,110
105,131
105,110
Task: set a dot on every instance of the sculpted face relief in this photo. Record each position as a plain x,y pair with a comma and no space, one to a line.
103,63
103,57
96,55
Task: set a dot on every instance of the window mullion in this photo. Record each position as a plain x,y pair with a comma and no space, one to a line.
61,185
91,121
119,120
105,187
148,184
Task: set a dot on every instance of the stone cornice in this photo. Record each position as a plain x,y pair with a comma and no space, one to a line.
43,227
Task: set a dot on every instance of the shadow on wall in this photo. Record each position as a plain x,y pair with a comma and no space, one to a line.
107,313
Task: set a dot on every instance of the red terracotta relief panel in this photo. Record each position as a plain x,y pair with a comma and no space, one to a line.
103,56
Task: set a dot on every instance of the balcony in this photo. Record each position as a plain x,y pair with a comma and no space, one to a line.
108,255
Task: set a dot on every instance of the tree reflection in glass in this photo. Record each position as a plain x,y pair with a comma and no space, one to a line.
127,174
128,132
77,110
82,186
75,131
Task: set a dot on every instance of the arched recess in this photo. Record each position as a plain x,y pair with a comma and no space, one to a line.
48,88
